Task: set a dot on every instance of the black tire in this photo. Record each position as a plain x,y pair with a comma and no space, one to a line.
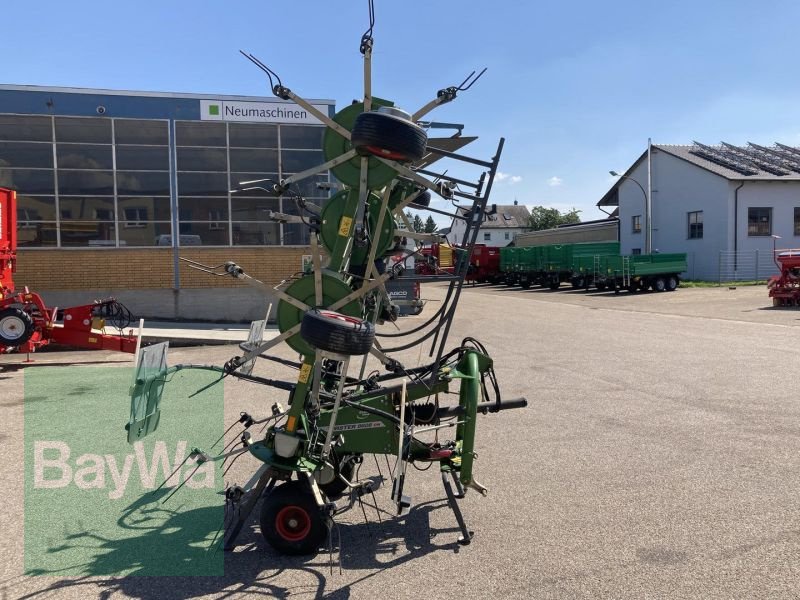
291,521
345,466
659,284
554,284
601,286
423,200
578,282
672,283
335,332
525,284
388,136
16,327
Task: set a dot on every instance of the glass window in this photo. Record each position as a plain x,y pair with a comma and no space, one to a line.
759,221
202,159
256,234
261,161
797,221
636,251
92,183
150,234
204,234
203,184
87,233
298,136
252,209
84,209
203,209
262,185
16,154
144,183
90,130
487,237
35,208
696,225
157,208
508,235
35,235
636,222
25,128
309,187
139,131
143,158
200,134
28,182
83,156
250,135
294,161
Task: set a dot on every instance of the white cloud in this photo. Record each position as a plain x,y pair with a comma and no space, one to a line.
555,181
516,179
499,176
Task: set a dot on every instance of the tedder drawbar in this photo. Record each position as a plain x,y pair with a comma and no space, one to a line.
310,450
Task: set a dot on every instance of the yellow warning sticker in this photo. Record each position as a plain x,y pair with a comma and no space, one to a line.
344,226
305,371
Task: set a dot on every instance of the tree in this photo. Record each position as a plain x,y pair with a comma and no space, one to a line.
548,218
418,226
430,225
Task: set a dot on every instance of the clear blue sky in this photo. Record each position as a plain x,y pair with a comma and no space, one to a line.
576,88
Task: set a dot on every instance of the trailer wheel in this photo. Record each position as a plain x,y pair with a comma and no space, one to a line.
525,284
388,133
672,283
16,327
291,521
335,332
601,286
659,284
344,466
554,284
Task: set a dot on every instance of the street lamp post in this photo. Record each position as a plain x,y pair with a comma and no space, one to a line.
646,224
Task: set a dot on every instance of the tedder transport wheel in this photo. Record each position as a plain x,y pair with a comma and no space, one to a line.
16,327
659,285
672,283
344,466
335,332
388,133
291,521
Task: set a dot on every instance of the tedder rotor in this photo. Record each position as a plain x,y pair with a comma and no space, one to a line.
328,315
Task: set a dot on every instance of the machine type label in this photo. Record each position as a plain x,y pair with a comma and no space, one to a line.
356,426
305,371
344,226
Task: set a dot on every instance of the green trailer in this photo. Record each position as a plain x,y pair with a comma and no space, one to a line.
639,272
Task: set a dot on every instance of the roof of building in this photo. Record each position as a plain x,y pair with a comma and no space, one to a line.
507,216
779,162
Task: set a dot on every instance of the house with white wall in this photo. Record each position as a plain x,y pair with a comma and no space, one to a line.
497,229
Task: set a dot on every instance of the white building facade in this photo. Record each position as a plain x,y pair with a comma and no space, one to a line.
498,229
721,205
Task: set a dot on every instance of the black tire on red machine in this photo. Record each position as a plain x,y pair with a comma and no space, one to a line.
16,327
334,332
388,133
291,521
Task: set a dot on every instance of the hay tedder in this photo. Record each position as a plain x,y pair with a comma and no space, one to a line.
338,316
27,324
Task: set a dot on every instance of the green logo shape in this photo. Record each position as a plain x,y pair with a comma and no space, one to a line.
92,503
213,109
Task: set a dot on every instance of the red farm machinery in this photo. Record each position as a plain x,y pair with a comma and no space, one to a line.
27,324
784,288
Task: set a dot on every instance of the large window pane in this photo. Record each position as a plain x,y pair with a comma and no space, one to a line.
148,184
298,136
87,233
79,183
203,209
139,131
759,221
35,208
28,182
36,235
26,129
251,135
256,234
90,130
262,186
147,234
86,209
157,209
204,234
200,134
145,158
15,154
203,184
309,187
252,209
202,159
84,156
294,161
254,160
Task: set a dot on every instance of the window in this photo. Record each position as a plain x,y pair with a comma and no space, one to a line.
487,237
216,218
695,225
759,221
636,223
135,217
797,221
636,251
508,235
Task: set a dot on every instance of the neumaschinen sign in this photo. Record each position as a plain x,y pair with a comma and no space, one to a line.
259,112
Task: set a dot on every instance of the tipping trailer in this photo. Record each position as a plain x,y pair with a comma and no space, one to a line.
639,272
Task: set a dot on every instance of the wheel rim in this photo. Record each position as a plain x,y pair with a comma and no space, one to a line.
293,523
12,328
340,317
383,153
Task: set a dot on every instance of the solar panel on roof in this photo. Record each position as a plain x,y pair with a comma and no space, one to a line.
780,157
722,158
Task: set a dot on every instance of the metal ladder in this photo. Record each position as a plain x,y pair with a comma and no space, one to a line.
595,269
626,271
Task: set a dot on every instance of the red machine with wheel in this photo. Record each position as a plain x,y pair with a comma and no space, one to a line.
484,266
784,289
26,324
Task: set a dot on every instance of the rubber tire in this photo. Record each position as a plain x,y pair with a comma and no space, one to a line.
337,487
601,286
525,285
423,200
297,499
335,332
578,282
24,320
554,285
659,284
388,136
672,283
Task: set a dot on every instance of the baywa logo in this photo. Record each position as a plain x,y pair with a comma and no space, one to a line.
53,469
213,110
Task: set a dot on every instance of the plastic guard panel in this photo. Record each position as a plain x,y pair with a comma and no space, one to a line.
146,391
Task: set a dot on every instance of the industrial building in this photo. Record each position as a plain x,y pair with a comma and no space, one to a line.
114,186
725,206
